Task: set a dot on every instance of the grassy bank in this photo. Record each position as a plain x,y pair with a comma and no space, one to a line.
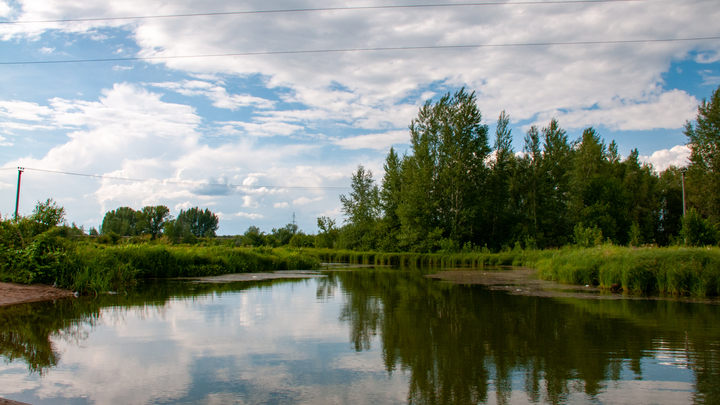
86,266
675,270
515,257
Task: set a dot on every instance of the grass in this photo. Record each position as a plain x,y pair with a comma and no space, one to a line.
91,267
674,270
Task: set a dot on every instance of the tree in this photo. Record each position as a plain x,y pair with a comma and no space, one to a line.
556,164
48,215
122,221
362,209
198,222
328,234
152,219
703,176
500,181
254,237
283,235
390,198
445,177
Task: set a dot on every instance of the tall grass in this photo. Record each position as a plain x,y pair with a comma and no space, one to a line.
91,267
675,270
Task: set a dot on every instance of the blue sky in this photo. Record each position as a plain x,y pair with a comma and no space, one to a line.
211,131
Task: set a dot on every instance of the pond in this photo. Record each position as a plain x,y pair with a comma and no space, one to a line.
361,336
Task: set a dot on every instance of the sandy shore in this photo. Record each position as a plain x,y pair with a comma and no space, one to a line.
17,293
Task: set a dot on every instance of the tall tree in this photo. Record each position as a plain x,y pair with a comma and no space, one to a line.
703,175
199,222
445,176
556,163
390,198
499,183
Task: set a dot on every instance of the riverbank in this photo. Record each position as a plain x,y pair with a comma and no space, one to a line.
11,294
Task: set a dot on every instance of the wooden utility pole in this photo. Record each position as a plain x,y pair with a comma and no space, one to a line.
17,198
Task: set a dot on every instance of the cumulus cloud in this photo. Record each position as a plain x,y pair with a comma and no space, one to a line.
305,200
662,159
280,205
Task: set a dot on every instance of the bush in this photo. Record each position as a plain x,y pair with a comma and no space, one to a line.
697,230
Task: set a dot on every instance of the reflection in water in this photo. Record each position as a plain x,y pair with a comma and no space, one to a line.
411,340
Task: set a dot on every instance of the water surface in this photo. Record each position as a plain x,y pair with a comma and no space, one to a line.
364,336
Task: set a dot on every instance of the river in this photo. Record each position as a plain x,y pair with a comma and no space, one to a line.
378,336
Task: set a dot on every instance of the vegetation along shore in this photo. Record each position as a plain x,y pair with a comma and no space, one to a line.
576,211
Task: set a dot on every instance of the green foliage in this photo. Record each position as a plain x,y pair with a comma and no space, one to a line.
328,235
122,221
694,271
703,176
698,231
196,222
151,220
586,236
254,237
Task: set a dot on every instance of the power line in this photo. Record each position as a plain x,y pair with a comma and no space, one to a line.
378,49
305,10
180,182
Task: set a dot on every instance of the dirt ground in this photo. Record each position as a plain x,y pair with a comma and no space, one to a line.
17,293
11,402
524,281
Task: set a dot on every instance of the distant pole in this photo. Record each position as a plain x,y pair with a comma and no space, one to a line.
17,198
683,170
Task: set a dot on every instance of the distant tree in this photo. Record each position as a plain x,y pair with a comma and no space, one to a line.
198,222
671,206
499,182
283,235
122,221
328,234
254,237
152,219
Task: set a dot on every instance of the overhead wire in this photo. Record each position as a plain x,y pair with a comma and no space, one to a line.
375,49
182,182
319,9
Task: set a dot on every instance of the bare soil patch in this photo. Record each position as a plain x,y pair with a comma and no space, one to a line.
17,293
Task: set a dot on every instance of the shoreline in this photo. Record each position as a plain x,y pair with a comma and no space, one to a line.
11,294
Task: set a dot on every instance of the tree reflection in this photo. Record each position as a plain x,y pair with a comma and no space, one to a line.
457,341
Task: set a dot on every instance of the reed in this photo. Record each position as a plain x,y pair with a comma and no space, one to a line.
675,270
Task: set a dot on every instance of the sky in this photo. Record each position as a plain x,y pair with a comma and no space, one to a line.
230,106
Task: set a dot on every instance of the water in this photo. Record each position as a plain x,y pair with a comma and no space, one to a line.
365,336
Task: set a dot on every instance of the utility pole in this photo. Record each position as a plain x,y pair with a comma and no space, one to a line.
683,170
17,199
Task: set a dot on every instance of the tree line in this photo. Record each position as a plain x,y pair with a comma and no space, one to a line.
452,191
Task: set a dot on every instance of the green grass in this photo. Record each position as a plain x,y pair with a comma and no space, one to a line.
90,267
675,270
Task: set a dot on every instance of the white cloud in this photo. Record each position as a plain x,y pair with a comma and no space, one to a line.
664,110
662,159
23,110
5,9
46,51
216,93
381,141
249,181
119,68
248,215
280,205
305,200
